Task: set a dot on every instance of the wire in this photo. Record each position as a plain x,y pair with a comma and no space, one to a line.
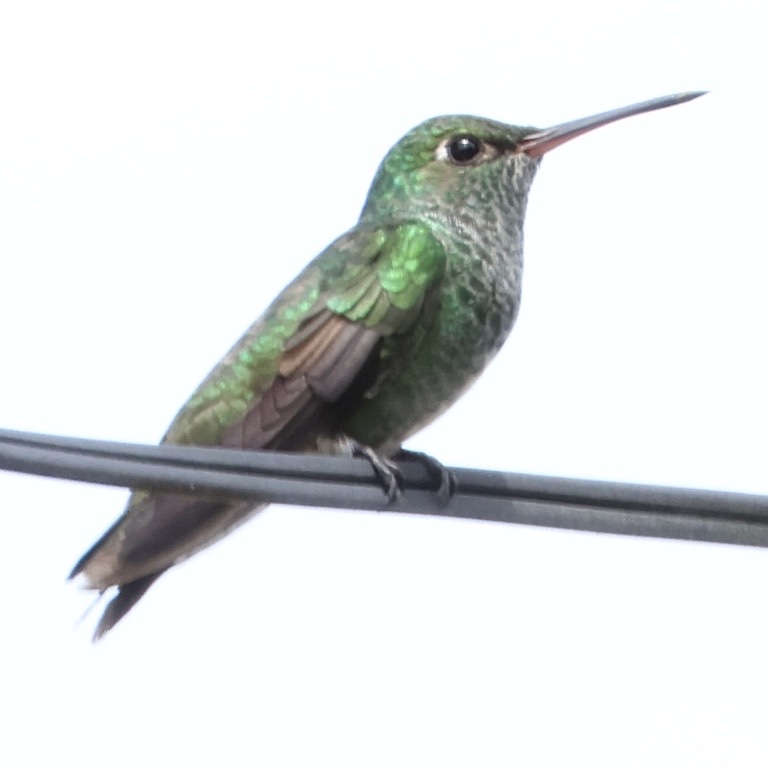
326,481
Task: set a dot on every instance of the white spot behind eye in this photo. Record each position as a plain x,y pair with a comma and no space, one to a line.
441,153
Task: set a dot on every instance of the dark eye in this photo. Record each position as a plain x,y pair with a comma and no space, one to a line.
464,149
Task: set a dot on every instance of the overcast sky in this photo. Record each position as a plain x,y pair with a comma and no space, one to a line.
166,167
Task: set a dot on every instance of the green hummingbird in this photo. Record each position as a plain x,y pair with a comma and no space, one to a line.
378,335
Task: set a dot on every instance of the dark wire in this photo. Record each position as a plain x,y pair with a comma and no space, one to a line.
324,481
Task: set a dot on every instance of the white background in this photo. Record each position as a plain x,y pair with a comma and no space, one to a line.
166,167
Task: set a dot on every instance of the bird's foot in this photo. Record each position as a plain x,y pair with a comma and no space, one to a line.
387,471
444,478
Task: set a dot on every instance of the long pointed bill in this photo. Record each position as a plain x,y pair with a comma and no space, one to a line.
540,142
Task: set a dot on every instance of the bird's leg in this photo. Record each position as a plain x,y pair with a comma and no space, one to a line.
445,479
387,471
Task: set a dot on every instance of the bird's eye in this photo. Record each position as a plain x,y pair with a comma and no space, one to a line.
464,149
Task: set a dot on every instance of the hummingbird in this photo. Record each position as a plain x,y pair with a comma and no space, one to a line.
373,340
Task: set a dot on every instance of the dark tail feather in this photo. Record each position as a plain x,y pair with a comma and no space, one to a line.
127,596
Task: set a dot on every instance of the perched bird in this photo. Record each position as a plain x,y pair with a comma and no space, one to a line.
373,340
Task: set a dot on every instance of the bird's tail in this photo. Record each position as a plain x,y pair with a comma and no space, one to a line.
127,596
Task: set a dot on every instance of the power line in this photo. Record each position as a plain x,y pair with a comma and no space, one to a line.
325,481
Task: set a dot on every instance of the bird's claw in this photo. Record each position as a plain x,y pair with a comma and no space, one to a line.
445,479
386,471
389,473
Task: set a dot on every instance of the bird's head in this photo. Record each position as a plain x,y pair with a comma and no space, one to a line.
448,163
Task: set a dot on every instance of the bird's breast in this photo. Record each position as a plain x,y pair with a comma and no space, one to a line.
456,335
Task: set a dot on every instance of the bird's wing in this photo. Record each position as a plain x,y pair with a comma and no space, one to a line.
275,387
315,341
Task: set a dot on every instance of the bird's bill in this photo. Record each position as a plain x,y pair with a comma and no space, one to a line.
540,142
